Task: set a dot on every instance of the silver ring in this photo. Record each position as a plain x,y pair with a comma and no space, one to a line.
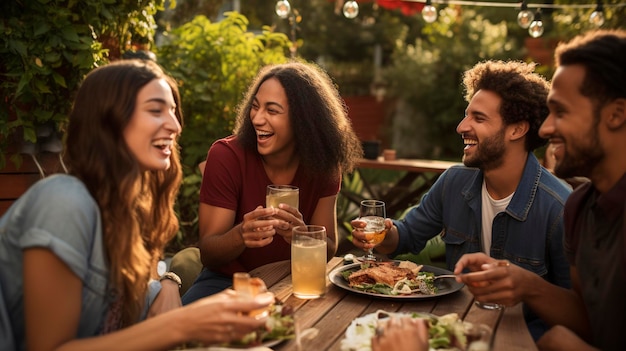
380,331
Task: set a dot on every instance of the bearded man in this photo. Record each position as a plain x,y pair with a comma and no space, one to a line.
501,201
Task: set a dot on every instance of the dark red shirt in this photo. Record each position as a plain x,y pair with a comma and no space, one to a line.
595,244
235,179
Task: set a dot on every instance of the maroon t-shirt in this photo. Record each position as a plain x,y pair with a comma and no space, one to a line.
235,179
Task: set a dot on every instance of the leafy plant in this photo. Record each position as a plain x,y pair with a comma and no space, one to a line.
47,46
213,63
426,77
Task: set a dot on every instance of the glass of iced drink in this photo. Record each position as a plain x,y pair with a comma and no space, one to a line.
285,194
308,261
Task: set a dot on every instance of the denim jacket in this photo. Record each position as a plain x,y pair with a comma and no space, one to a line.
528,233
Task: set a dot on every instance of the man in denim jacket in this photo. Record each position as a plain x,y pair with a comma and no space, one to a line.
586,128
502,201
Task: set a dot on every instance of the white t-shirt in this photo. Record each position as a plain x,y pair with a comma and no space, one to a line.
490,208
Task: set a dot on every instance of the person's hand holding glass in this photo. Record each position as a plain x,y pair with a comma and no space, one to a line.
373,214
288,213
491,280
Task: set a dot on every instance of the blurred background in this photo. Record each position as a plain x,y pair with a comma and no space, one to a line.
397,64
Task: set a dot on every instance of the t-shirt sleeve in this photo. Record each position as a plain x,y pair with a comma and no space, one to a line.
64,218
222,177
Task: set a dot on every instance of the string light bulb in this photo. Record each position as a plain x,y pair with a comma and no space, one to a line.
597,16
429,12
536,27
525,16
283,7
351,9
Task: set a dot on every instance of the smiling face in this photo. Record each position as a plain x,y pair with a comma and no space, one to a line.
270,117
483,132
153,127
572,125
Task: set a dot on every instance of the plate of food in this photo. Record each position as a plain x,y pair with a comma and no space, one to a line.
446,332
394,280
279,327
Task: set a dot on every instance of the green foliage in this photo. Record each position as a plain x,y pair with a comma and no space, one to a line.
426,75
47,46
573,21
213,63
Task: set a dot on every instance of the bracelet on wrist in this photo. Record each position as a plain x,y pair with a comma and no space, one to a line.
173,277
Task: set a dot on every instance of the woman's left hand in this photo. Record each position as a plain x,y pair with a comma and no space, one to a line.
290,217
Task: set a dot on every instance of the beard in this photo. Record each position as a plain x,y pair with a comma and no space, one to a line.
489,153
581,159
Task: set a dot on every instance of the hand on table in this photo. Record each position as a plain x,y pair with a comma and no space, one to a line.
559,338
400,334
257,227
492,280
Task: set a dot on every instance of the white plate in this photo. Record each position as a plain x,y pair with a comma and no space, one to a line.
358,336
263,347
444,286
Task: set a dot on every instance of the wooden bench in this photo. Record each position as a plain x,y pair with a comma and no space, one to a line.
15,181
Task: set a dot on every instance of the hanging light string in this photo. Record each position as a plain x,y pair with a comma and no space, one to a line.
514,5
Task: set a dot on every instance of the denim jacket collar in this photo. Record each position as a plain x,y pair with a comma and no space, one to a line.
524,195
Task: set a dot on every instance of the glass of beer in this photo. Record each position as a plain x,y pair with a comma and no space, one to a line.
285,194
373,213
308,261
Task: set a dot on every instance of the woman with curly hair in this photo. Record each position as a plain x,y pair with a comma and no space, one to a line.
79,251
292,129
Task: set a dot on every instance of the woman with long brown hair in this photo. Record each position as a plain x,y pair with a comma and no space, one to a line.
79,251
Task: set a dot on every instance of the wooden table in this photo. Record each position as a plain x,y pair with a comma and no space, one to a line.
419,176
332,314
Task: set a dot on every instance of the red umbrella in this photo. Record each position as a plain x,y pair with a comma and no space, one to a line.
408,8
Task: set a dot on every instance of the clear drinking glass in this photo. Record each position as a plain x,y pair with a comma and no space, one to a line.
489,305
286,194
308,261
373,213
492,305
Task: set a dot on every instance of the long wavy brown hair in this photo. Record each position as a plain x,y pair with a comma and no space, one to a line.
137,206
315,107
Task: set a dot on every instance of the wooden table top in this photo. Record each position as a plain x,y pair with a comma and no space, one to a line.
410,165
332,314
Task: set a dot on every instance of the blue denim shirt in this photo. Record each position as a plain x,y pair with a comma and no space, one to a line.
59,214
528,233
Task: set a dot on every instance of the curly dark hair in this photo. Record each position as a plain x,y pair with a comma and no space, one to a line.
523,92
603,54
315,107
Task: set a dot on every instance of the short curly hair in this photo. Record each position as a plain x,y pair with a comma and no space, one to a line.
524,93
